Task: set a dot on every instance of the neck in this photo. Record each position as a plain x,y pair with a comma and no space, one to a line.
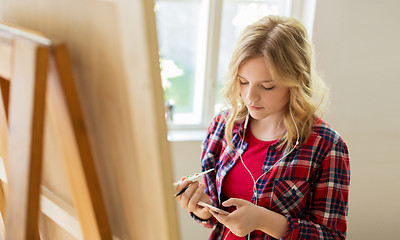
268,129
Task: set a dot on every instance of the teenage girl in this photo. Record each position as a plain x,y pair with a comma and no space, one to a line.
280,170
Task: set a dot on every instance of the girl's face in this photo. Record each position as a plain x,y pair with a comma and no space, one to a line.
263,96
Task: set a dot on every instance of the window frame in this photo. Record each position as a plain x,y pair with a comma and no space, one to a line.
206,76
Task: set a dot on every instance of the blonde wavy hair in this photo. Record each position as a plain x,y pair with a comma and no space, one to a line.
284,44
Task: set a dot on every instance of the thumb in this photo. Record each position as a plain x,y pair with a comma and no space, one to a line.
237,202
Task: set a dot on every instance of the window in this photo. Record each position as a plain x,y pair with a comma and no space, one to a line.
178,23
196,39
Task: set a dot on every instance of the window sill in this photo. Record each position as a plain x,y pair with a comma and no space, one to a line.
186,135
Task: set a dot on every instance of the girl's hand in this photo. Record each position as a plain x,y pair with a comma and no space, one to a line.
189,199
243,220
249,217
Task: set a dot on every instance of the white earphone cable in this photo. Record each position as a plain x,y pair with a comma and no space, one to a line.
255,191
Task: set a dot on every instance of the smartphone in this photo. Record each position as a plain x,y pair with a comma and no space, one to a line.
217,210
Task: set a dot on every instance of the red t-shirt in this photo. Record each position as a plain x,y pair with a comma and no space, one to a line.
238,182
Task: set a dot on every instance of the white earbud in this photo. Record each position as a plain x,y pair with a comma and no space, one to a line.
246,121
295,125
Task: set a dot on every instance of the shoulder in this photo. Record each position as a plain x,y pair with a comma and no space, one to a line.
326,132
325,140
221,117
216,130
219,121
329,150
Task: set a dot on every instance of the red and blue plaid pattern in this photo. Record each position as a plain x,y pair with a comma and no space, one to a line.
310,186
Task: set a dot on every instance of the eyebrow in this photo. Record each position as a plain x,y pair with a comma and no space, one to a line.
264,81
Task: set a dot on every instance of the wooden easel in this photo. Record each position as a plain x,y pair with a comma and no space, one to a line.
36,77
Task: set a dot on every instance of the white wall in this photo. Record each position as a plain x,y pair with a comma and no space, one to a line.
186,160
357,47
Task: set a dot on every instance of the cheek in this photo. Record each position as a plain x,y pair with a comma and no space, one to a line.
278,99
242,92
285,96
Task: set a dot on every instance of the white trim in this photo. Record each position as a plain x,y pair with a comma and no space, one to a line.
186,135
285,7
211,65
199,81
304,10
3,175
62,213
6,29
309,15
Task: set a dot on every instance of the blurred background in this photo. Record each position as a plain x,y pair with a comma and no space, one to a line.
357,51
114,56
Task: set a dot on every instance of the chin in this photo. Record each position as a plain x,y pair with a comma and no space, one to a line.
258,116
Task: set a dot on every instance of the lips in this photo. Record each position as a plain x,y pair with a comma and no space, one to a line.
254,108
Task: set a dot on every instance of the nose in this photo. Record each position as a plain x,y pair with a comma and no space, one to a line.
252,94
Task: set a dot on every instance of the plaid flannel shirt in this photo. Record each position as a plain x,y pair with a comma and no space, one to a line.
310,186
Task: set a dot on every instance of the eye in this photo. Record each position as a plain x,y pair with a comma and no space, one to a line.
242,81
268,88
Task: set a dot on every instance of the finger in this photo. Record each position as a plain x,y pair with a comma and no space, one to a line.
216,215
204,210
196,197
187,195
183,190
220,217
234,202
182,185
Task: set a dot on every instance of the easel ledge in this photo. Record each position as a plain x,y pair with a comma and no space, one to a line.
9,30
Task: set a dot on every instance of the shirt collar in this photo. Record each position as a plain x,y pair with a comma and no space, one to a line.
238,128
